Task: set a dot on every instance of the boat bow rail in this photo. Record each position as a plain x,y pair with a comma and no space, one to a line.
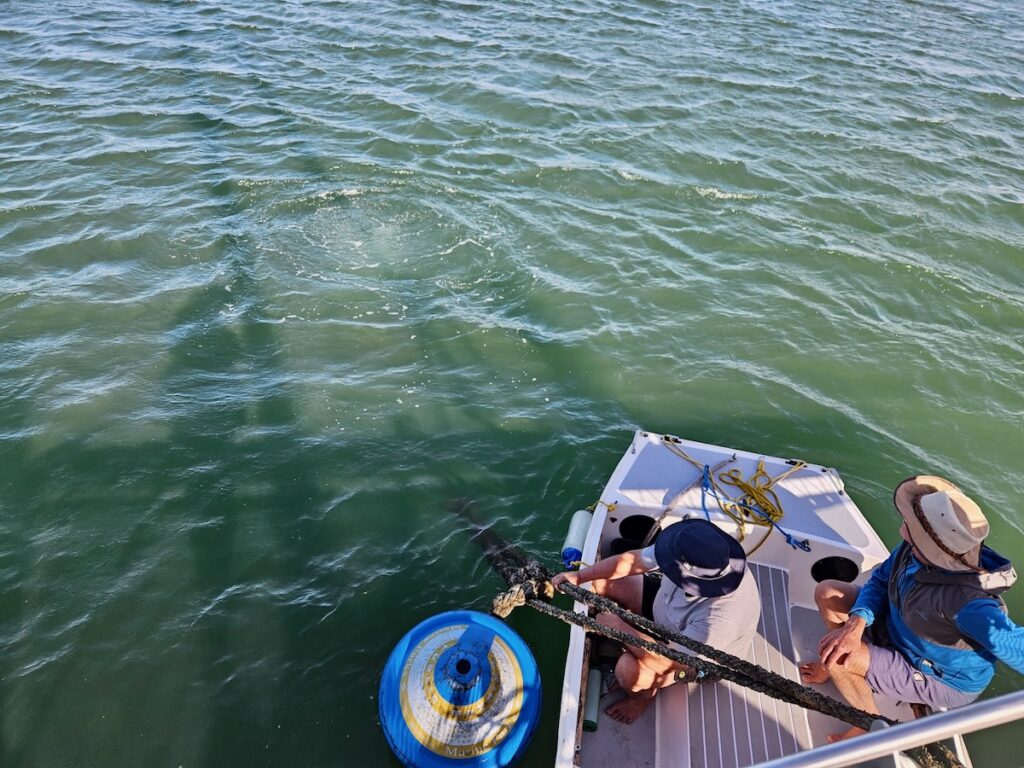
880,746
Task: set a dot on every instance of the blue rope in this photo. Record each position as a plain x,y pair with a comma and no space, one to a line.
707,489
794,542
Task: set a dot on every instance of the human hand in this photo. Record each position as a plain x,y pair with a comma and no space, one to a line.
573,577
837,645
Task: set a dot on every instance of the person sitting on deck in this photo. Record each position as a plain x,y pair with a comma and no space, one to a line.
936,622
708,594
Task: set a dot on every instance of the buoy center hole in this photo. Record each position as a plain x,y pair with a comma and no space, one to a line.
462,666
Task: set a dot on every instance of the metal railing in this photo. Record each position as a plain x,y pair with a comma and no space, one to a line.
943,725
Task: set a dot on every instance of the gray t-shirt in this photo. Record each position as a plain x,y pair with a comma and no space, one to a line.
727,623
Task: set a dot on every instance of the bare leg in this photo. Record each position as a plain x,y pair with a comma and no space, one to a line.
834,600
849,678
639,672
627,591
629,673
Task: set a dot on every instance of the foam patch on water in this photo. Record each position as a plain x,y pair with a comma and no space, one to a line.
331,194
714,193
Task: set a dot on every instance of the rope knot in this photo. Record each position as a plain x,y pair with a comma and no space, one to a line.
519,594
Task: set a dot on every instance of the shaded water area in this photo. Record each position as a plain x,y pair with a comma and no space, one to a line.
279,281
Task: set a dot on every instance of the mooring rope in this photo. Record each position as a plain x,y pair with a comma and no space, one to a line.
530,585
721,664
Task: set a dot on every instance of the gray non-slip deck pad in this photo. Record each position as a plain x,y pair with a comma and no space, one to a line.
732,727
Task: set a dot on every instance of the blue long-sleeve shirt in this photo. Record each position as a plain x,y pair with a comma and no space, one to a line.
982,621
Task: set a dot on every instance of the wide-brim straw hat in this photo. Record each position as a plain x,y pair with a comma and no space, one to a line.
946,527
700,557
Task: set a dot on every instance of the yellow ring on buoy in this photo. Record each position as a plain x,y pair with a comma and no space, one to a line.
462,712
456,718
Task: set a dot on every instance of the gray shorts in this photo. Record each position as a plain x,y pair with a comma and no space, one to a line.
890,673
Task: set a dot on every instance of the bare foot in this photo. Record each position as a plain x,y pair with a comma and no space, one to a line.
628,710
845,735
813,672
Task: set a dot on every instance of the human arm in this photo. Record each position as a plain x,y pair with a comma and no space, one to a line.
985,622
615,567
873,598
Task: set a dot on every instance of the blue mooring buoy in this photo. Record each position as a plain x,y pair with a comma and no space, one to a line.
460,689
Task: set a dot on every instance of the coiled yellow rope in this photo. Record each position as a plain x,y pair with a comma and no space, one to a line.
756,492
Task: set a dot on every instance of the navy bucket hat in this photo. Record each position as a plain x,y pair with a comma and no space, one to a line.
700,557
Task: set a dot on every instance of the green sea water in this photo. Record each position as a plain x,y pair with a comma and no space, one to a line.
280,281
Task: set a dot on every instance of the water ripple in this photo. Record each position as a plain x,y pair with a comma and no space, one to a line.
277,284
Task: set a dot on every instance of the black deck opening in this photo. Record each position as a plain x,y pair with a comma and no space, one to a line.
838,568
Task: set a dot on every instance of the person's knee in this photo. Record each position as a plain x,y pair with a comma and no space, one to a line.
838,668
633,675
855,663
835,595
834,666
627,672
825,591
